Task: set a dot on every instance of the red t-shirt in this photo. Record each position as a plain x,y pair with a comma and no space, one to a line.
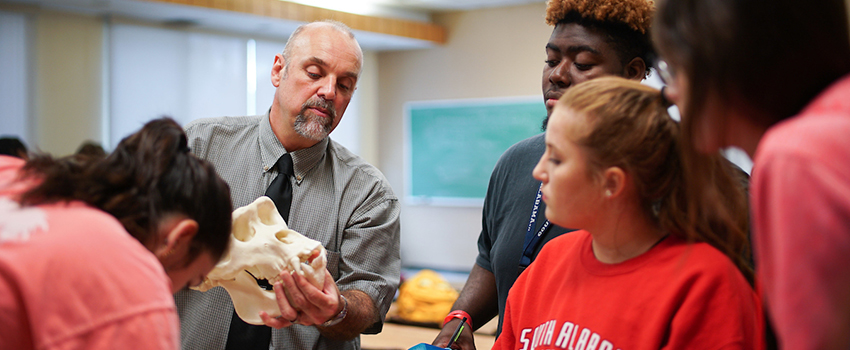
801,221
674,296
71,277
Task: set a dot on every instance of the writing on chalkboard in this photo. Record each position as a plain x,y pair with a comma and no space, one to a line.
452,146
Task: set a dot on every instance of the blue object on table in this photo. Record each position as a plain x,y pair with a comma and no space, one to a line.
423,346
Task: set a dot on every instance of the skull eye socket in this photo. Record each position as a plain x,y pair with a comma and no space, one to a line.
268,214
242,229
283,236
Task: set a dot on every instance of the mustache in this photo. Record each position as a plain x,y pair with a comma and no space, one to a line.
320,103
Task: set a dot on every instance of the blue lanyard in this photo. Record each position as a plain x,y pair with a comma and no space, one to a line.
532,239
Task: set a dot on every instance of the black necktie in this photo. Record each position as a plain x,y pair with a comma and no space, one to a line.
280,191
247,336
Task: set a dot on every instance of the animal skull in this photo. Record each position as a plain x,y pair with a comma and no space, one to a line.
262,246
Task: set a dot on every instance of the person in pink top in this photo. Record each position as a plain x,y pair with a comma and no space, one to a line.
92,248
773,78
645,270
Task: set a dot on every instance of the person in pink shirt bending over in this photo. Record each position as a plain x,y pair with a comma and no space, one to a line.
773,78
92,248
645,270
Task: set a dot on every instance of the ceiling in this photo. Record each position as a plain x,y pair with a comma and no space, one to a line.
159,11
446,5
419,5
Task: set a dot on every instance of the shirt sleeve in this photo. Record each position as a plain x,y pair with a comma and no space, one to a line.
485,244
485,238
369,253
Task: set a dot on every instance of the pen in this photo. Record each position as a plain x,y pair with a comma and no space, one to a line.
457,333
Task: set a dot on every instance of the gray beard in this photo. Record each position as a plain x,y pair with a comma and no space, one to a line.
311,126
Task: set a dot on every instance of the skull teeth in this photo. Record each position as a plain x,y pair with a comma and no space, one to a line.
276,279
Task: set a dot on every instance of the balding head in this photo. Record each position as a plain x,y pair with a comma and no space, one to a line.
321,26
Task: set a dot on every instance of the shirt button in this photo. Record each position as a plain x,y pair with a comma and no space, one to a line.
265,168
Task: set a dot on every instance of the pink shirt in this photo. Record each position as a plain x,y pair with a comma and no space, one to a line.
71,277
801,218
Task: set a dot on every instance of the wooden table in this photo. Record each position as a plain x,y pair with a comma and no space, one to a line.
401,337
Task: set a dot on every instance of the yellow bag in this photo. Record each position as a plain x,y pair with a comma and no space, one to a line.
426,297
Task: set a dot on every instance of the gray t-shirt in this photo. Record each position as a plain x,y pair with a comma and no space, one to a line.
507,209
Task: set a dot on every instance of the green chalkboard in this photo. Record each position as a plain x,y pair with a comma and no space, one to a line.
452,146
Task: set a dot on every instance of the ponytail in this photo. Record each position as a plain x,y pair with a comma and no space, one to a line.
149,175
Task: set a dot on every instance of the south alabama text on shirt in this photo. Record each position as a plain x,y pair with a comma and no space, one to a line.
570,336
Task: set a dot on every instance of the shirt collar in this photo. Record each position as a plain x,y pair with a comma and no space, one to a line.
271,150
270,147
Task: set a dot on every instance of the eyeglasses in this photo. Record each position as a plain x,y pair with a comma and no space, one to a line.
665,72
668,77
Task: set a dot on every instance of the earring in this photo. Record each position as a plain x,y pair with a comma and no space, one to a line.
607,193
168,253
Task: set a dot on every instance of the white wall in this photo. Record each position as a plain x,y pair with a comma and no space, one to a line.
368,95
14,77
182,74
75,90
67,92
490,53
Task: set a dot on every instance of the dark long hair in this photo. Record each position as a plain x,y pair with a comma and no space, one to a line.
150,175
630,129
766,58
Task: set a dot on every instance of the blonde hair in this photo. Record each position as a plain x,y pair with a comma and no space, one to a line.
629,128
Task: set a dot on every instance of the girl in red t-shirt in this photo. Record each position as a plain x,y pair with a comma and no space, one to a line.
645,271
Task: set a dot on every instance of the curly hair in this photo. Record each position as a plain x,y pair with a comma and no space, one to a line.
637,14
624,23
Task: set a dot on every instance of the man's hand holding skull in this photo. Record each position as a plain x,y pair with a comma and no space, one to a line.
301,302
264,250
